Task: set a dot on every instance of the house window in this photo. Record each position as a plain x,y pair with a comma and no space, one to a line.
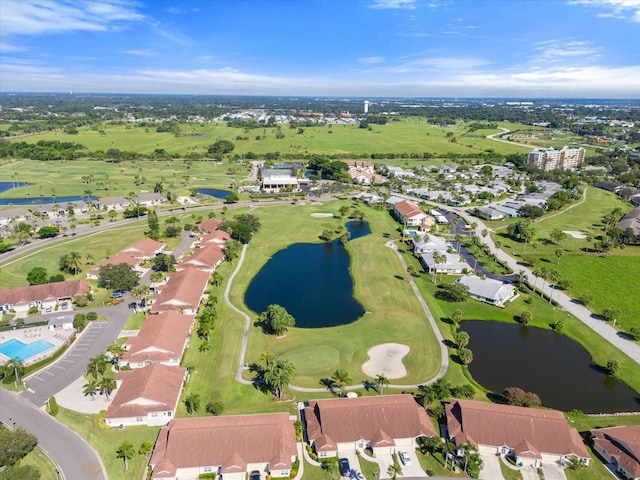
208,469
154,414
284,473
322,454
169,413
139,419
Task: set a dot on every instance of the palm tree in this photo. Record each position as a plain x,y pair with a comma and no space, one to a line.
559,253
381,381
90,388
216,279
341,377
554,277
126,452
107,385
268,357
97,365
116,350
75,260
89,258
279,375
394,470
192,403
16,367
457,316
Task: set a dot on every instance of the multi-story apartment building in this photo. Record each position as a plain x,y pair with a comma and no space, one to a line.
552,159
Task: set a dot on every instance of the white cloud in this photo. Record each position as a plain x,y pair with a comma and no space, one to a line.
560,50
591,81
623,9
8,47
393,4
140,53
371,60
35,17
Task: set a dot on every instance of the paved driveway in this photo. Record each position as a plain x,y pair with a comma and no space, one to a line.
553,471
354,462
491,469
530,473
413,470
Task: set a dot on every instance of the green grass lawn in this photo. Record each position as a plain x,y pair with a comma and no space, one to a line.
616,285
42,462
370,470
412,135
394,312
106,442
435,463
13,273
116,179
509,473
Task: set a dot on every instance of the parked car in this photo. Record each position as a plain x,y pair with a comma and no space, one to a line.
255,475
404,458
345,468
116,294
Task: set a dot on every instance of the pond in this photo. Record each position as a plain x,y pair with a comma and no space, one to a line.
214,192
541,361
38,200
310,280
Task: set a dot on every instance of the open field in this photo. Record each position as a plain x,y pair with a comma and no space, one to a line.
406,136
115,179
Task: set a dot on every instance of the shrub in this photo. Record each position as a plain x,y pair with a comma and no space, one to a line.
53,408
80,301
79,321
92,316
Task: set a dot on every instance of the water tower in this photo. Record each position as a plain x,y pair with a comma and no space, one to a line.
366,106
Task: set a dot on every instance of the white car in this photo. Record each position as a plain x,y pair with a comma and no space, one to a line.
404,458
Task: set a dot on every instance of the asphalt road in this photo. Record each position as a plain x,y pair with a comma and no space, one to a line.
74,457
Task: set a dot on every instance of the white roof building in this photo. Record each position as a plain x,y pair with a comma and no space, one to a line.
487,290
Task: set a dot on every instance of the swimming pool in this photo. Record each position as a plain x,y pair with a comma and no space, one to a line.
15,349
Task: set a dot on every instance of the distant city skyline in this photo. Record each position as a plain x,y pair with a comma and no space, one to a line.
362,48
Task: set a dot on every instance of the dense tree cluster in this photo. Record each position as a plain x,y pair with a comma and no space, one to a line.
517,396
43,150
276,320
15,445
242,227
117,277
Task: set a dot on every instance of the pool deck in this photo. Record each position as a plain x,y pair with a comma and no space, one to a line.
58,338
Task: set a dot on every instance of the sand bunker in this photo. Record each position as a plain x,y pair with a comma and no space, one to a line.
386,358
322,215
186,201
575,234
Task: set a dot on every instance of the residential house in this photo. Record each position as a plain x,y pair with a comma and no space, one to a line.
146,396
411,213
163,338
620,448
183,291
144,249
429,243
217,237
631,220
210,225
276,180
207,258
230,446
46,297
529,435
453,263
488,290
386,424
121,257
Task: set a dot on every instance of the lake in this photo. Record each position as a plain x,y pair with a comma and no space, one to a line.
214,192
310,280
541,361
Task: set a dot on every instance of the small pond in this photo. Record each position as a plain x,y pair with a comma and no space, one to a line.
311,280
214,192
551,365
38,200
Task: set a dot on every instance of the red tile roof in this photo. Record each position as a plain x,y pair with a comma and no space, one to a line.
155,388
408,208
230,441
530,431
379,419
162,337
210,225
144,248
183,290
204,257
44,292
623,444
218,237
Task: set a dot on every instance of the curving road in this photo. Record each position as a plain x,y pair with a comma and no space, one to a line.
245,337
74,458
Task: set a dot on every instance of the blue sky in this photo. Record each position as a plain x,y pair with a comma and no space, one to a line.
428,48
